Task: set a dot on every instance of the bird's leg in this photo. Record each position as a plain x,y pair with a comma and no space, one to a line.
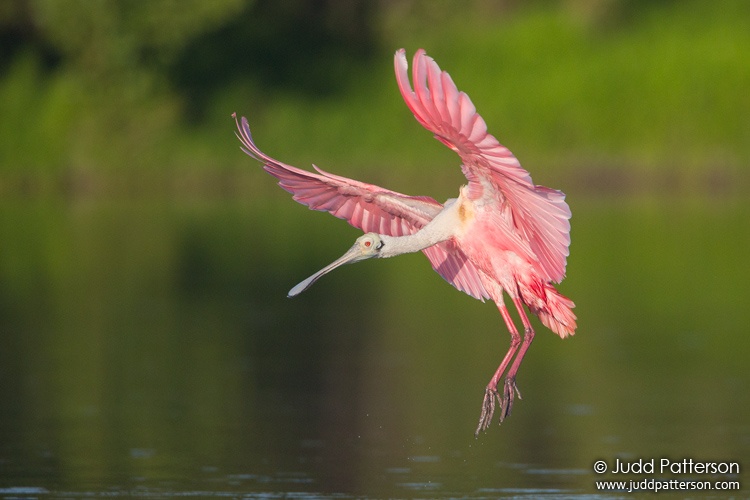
490,393
509,387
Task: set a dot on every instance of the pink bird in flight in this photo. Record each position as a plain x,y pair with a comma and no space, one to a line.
503,234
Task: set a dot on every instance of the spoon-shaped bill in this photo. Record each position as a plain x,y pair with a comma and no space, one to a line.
354,254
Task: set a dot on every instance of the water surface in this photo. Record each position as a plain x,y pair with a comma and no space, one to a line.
148,348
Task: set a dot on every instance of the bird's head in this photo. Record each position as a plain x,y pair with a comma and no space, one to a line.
367,246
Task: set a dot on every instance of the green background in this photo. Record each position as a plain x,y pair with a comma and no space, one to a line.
146,343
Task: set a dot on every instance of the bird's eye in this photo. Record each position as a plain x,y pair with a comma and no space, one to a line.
368,243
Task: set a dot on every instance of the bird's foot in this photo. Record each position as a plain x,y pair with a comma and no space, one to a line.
491,398
509,394
488,409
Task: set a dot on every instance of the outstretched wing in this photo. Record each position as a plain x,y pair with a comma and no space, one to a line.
370,208
539,214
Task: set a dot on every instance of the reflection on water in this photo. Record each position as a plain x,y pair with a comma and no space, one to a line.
149,349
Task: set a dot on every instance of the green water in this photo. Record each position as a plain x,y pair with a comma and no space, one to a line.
148,348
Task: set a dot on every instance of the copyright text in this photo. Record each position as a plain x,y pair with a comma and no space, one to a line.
709,469
666,466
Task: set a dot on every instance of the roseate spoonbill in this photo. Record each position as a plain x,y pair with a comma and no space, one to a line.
503,234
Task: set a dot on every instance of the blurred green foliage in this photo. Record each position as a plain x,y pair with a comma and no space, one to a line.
92,91
157,323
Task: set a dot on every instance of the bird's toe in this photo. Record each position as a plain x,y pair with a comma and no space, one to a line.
488,409
510,390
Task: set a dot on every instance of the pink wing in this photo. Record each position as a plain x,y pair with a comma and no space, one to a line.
539,214
370,208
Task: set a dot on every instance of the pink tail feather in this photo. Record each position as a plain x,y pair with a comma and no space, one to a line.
553,309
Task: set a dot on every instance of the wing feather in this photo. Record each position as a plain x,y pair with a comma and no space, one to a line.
540,215
370,208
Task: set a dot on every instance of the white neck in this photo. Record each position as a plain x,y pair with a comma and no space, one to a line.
397,245
441,228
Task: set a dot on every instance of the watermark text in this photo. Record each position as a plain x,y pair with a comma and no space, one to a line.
708,475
